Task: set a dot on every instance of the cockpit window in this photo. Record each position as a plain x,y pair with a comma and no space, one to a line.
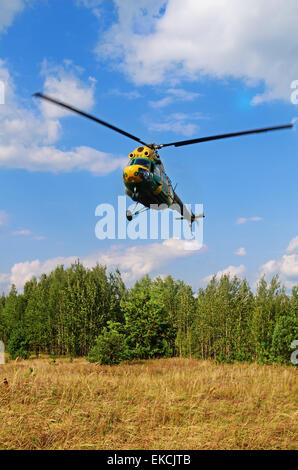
142,162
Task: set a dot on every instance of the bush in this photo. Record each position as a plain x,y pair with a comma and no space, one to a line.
18,344
285,332
110,347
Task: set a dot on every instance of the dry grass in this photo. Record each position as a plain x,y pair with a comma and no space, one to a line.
157,404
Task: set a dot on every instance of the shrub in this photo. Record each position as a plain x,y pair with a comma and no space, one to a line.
110,347
285,332
18,344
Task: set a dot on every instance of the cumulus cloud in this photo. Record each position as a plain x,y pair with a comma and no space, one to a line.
137,261
179,123
158,41
64,83
23,272
231,270
4,278
244,220
293,245
286,266
178,127
240,252
29,137
50,158
174,95
133,262
161,103
8,10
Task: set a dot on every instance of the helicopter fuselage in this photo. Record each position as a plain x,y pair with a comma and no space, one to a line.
146,182
145,178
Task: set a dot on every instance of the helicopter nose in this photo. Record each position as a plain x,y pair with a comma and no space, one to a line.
131,174
135,174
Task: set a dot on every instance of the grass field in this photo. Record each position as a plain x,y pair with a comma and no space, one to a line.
157,404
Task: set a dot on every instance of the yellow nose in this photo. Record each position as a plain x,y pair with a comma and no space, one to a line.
131,174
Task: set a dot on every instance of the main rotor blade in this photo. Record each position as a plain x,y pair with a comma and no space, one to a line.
89,116
225,136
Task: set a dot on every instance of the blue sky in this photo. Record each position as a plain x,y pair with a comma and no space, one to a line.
164,72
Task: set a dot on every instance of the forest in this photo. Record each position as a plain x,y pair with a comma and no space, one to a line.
80,312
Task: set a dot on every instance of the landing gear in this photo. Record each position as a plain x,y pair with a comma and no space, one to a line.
135,195
131,214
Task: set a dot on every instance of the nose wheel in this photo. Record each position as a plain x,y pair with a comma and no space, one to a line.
135,195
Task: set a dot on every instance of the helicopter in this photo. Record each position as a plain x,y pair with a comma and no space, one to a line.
144,177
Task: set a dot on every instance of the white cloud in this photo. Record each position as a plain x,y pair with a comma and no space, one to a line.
64,84
244,220
289,266
3,218
50,158
174,95
28,137
183,95
161,103
23,232
139,260
91,4
231,270
23,272
177,127
133,262
4,278
270,267
27,233
286,266
130,95
254,41
240,252
8,10
179,123
293,245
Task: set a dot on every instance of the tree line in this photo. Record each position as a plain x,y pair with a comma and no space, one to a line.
88,312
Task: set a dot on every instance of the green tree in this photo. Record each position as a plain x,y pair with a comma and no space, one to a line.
285,332
147,323
19,344
110,346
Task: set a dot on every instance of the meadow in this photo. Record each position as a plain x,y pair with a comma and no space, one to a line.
153,404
